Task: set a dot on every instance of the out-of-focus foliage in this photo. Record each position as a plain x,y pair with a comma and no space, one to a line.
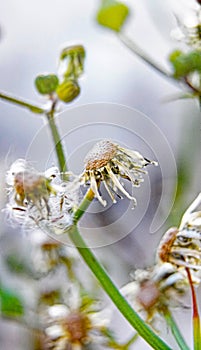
112,14
185,63
10,303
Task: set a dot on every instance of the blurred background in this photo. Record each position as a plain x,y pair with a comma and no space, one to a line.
31,36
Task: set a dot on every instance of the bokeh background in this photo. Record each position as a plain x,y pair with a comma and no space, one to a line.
32,34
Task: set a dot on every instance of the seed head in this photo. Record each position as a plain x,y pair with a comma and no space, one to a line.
107,162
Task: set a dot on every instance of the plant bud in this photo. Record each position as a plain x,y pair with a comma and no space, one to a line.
68,90
46,84
72,58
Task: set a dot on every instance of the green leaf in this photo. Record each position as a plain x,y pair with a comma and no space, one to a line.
46,84
10,303
185,63
112,14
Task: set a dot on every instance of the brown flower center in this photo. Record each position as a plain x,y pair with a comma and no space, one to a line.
77,325
148,294
27,183
100,155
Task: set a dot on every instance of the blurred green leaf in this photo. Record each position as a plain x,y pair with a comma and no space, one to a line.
18,265
46,84
10,303
185,63
112,14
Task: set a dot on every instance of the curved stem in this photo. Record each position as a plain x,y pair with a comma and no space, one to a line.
18,101
112,291
140,53
175,330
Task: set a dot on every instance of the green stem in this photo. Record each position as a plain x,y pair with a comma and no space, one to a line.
140,53
175,330
58,144
113,292
83,206
22,103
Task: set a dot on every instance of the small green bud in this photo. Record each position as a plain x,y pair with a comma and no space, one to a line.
185,63
73,58
46,84
68,90
112,14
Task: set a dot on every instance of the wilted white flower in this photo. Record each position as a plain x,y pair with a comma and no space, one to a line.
76,322
155,289
182,246
40,199
107,162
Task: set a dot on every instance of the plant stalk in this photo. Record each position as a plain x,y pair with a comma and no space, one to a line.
58,144
113,292
18,101
175,330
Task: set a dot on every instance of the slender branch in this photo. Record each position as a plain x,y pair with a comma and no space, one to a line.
113,292
18,101
140,53
175,330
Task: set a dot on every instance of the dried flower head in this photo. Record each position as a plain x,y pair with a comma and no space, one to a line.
107,162
182,246
29,185
40,199
154,289
74,323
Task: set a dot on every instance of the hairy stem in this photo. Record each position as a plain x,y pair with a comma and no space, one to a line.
175,330
20,102
113,292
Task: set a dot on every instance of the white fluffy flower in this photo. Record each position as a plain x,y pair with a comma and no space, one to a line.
78,321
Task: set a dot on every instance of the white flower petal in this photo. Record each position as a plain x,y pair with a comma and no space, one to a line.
58,311
94,188
54,332
117,183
